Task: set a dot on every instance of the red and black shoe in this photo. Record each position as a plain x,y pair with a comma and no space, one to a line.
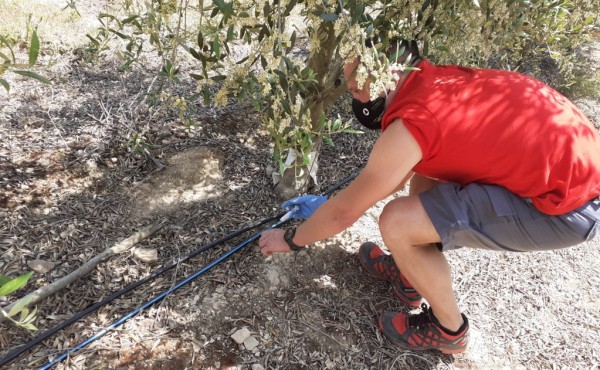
423,332
374,260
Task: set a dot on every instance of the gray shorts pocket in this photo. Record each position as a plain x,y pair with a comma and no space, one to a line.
501,200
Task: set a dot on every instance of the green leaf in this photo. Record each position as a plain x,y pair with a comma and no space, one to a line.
200,40
4,42
121,35
196,76
217,48
282,79
129,19
34,76
286,107
289,7
93,40
14,284
29,327
31,317
218,78
330,17
242,60
206,95
4,279
196,55
327,140
281,168
292,41
24,313
425,5
7,87
352,131
359,12
109,16
34,49
230,33
264,31
336,124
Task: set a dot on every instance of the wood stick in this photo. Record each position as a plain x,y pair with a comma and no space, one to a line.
87,267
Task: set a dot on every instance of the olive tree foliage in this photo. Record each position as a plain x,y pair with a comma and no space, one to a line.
10,63
286,56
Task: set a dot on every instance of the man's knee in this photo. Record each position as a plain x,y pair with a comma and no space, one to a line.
394,220
404,222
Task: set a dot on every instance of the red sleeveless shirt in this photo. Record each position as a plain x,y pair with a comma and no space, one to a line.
502,128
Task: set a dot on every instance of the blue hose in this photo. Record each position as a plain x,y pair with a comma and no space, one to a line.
160,297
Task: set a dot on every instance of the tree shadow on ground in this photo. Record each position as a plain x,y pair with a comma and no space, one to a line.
70,150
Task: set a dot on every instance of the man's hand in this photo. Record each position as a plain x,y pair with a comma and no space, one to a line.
271,241
305,205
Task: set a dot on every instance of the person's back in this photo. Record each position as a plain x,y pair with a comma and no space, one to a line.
502,128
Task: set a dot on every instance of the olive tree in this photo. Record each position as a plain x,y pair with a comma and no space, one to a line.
286,56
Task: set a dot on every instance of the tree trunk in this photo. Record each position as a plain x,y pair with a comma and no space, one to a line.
328,71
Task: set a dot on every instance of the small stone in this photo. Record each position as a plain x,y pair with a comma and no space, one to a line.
257,367
250,343
40,266
146,255
241,335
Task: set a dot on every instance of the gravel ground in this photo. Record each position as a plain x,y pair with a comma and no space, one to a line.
70,188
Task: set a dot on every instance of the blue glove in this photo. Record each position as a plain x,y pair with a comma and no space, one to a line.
305,205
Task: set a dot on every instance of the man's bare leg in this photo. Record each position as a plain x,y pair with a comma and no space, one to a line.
408,233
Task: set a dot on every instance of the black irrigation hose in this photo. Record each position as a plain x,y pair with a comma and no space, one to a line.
156,299
80,315
11,356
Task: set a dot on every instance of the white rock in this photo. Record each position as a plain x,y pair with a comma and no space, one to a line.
146,255
257,367
40,266
250,343
241,335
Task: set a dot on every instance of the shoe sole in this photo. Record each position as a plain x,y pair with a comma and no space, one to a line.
400,297
446,351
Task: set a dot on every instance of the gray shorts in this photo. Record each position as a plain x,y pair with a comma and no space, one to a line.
491,217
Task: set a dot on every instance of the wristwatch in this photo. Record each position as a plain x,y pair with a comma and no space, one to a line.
288,236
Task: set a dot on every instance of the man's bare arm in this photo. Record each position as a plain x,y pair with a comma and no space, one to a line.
394,155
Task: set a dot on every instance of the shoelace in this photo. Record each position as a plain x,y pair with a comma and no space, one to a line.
421,319
391,265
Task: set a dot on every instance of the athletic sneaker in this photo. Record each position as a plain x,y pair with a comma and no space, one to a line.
381,265
423,331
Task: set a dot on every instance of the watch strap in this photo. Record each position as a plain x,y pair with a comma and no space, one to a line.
288,236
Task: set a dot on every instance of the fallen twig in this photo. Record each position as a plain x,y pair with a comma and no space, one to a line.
87,267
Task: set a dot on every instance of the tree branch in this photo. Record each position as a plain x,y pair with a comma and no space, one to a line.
87,267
